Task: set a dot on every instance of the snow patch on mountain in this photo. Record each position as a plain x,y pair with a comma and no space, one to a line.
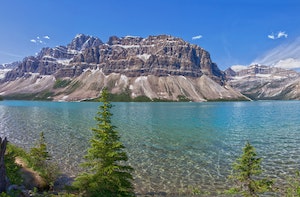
289,63
144,57
3,72
237,68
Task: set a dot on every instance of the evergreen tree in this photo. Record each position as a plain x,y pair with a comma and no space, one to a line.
39,154
246,169
106,173
40,161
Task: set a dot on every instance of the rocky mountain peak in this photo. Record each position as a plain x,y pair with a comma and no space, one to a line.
160,55
81,42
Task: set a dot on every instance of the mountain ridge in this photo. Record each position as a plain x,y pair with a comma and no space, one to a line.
260,82
159,67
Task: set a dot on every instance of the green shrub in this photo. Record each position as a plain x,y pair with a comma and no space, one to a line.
293,186
60,83
13,169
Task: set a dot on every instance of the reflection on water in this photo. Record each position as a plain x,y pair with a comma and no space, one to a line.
170,145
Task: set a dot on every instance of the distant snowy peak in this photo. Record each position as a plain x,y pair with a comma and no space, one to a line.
237,68
9,65
258,71
286,64
289,63
4,68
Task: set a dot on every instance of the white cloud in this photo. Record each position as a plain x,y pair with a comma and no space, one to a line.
197,37
280,34
40,40
271,36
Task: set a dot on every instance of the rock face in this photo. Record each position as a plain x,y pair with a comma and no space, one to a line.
161,66
260,82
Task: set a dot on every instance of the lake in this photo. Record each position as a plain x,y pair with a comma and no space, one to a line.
172,146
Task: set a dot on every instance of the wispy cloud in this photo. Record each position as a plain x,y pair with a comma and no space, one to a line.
197,37
286,51
40,40
280,34
10,54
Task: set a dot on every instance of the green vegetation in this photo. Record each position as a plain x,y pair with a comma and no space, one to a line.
42,96
246,169
106,173
1,98
60,83
293,186
73,86
39,161
228,99
126,97
182,98
122,97
13,169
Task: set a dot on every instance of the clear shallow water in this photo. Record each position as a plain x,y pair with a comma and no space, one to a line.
170,145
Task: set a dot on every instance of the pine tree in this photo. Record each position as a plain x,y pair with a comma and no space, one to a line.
39,154
246,169
106,175
40,161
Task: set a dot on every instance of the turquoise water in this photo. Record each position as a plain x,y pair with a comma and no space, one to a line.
170,145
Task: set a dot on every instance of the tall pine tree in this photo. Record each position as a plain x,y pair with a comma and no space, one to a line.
106,173
246,169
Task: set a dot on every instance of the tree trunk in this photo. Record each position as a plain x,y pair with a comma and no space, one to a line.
3,178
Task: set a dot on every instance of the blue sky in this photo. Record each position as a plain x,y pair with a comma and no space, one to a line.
233,31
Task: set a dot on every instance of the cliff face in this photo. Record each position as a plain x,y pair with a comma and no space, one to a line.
158,67
264,82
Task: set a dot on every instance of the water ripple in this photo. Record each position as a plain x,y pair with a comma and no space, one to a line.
171,145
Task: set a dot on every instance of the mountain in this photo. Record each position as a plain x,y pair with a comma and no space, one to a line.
158,67
4,68
261,82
